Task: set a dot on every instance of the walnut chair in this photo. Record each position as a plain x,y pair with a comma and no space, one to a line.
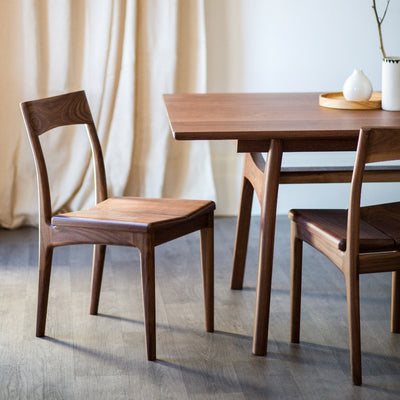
125,221
359,240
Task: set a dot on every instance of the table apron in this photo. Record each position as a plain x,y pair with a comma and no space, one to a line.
298,145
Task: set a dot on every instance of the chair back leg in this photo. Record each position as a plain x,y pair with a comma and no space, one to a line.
99,253
353,309
45,261
149,297
296,249
395,320
207,264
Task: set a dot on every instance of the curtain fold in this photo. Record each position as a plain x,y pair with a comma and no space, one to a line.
125,54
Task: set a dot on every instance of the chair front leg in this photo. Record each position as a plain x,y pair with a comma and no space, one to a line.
207,264
99,253
149,300
395,325
45,261
296,254
353,309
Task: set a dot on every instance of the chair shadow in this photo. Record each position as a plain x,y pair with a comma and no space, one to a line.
119,318
283,351
139,322
73,346
374,364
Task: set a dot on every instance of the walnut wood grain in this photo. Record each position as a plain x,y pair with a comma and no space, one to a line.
264,116
128,221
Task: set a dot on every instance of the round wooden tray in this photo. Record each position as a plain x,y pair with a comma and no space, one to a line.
337,100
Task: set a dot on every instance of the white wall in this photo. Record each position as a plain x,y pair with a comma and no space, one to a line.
295,46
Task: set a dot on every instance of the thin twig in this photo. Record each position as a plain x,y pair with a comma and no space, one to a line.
379,23
386,8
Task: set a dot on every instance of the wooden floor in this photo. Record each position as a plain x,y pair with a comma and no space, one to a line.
103,357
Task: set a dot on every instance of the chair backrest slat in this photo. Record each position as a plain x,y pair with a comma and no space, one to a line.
68,109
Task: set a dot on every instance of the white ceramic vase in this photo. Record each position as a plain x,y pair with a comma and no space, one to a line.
391,84
357,87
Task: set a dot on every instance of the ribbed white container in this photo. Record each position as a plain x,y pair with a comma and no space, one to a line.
391,84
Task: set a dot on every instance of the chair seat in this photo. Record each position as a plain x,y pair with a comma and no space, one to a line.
385,217
332,224
135,214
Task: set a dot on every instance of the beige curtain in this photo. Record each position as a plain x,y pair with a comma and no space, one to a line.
125,54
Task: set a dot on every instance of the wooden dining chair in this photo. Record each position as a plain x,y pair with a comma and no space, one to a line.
125,221
359,240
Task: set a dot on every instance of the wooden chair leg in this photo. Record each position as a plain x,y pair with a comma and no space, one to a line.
242,235
295,289
395,325
353,309
149,300
207,264
45,261
99,253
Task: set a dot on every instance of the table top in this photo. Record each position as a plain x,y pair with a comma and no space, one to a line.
263,116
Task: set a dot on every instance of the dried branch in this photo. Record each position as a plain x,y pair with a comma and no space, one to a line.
386,8
379,23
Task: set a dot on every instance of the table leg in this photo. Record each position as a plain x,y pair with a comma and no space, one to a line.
266,247
242,234
253,180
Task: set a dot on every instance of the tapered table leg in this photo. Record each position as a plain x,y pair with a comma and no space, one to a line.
266,247
242,235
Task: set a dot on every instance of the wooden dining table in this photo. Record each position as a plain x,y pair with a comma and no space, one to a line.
273,123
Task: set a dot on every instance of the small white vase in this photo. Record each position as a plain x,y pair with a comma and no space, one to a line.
357,87
391,84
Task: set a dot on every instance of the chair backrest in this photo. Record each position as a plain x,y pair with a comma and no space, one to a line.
374,145
45,114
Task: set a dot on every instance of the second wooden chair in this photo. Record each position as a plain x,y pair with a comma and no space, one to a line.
358,241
